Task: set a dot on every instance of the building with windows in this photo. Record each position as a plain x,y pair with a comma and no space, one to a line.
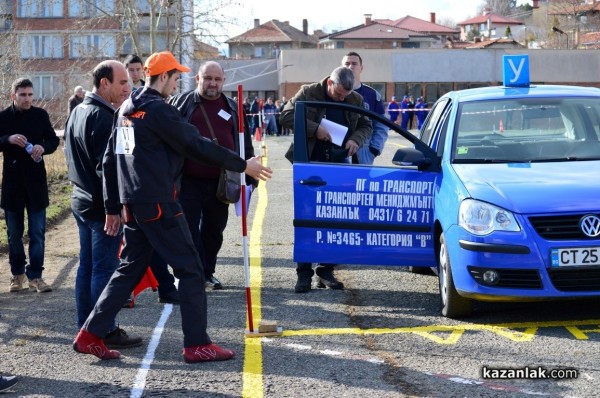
56,43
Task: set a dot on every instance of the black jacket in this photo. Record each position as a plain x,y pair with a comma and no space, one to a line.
86,135
145,153
187,102
23,180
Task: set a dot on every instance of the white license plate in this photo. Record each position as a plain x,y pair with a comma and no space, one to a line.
575,257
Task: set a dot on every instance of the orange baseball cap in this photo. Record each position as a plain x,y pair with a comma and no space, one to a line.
162,62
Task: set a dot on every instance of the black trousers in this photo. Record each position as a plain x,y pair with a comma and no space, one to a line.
161,227
206,216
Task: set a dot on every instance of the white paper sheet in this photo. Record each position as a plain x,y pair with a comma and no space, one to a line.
336,131
238,204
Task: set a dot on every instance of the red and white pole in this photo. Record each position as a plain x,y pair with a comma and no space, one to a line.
244,210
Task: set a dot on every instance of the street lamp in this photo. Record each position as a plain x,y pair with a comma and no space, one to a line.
557,30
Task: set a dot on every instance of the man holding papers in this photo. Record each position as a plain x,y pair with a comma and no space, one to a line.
323,129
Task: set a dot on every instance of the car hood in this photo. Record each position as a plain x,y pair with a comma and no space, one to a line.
534,187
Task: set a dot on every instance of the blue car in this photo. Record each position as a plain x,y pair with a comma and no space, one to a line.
499,194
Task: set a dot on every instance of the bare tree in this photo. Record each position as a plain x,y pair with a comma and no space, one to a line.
499,7
568,19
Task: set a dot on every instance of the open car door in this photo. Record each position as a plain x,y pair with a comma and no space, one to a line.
363,214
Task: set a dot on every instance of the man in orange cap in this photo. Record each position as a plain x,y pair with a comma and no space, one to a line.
141,166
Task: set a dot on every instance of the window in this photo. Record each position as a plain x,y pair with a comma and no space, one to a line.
143,43
91,8
380,88
258,52
47,87
41,46
92,46
40,8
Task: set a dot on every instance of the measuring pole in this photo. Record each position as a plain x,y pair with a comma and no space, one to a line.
244,211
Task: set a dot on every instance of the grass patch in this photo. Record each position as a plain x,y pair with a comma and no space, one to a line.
59,191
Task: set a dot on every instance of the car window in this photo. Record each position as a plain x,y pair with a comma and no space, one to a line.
428,130
528,129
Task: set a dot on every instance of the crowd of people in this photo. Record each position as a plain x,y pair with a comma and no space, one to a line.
151,201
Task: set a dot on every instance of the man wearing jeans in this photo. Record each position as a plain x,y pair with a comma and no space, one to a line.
87,132
25,135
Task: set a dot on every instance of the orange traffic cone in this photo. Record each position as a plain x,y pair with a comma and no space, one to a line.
148,281
257,135
501,126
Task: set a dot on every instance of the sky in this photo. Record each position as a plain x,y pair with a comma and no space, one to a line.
330,15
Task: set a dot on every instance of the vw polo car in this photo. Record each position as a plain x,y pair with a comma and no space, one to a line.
499,194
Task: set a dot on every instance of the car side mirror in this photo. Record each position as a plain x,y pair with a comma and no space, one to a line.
410,157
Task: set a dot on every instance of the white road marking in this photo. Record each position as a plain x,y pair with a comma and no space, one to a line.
140,380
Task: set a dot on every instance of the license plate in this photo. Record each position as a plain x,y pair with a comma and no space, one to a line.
575,257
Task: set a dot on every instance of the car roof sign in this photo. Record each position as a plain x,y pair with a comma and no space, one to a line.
515,70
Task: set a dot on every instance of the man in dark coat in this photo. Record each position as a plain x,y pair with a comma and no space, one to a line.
86,136
25,135
338,87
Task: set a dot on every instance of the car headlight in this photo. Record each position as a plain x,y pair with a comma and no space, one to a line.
481,218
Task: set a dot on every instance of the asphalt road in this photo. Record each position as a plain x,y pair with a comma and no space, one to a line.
381,337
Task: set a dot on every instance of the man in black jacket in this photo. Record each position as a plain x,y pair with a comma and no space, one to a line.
86,135
25,135
205,214
141,166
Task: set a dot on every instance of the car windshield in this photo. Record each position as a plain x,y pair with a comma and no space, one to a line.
528,130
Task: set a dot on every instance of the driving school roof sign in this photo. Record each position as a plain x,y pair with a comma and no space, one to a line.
515,70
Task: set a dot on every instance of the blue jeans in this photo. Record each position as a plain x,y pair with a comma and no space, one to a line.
36,230
98,259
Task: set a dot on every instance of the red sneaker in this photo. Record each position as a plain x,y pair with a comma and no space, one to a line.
206,353
87,343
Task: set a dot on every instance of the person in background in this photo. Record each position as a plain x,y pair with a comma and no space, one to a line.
269,116
208,109
25,135
411,111
76,98
283,130
86,135
373,146
338,87
141,169
404,112
254,115
246,105
421,111
135,70
278,109
393,110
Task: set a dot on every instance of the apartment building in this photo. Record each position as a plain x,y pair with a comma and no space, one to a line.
57,43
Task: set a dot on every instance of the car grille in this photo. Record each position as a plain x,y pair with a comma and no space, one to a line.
512,278
559,227
575,280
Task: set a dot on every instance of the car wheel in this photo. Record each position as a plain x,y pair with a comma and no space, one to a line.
453,304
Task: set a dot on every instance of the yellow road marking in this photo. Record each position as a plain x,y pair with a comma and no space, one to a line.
252,383
442,334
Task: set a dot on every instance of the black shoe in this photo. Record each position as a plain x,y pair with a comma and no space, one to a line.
303,285
169,298
213,283
7,382
119,339
326,279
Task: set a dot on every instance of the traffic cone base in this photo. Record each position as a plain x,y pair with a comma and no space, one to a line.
257,135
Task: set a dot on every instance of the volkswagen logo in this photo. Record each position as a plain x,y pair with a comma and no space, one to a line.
590,225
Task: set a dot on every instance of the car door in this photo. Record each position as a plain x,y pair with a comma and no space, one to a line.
358,214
